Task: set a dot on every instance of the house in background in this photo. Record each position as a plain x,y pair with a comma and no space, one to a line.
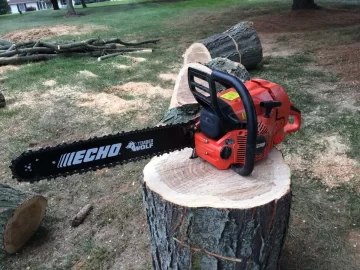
22,5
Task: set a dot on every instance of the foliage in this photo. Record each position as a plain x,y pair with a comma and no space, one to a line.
4,7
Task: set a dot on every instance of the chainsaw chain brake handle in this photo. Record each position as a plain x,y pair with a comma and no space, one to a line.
229,120
292,127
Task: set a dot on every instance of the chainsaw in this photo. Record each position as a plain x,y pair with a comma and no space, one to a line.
236,127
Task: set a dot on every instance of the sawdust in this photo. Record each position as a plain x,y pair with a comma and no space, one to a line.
168,77
87,74
49,83
121,66
331,165
51,31
110,104
8,67
140,89
136,59
306,20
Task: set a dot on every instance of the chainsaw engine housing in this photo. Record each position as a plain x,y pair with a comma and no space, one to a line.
223,148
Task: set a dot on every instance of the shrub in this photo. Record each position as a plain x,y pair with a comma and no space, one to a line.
4,7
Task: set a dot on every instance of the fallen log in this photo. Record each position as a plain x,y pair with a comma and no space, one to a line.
26,59
203,218
240,43
20,217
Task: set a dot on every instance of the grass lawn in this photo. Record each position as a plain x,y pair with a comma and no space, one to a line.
314,55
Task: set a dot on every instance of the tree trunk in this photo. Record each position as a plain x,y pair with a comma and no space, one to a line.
20,217
83,4
70,8
304,4
203,218
55,4
240,44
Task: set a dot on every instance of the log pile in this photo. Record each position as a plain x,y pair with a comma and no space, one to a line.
23,52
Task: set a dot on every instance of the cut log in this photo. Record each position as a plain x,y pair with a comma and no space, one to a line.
182,95
203,218
20,217
239,43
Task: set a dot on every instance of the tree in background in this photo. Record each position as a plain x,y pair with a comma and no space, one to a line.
4,7
55,4
304,4
83,3
70,8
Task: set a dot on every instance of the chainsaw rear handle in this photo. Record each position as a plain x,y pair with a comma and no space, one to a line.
231,122
292,127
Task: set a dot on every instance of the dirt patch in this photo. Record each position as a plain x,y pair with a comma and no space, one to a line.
141,88
168,77
271,47
331,165
110,104
343,59
306,20
87,74
51,31
6,68
49,83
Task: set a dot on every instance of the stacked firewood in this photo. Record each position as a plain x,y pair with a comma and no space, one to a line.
23,52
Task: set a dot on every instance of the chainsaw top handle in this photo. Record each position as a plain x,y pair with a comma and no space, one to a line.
227,116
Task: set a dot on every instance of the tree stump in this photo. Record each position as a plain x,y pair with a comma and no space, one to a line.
203,218
239,43
20,217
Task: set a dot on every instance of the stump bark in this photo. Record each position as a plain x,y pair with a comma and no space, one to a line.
20,217
239,43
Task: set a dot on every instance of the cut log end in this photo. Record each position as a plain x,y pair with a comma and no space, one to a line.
23,223
196,183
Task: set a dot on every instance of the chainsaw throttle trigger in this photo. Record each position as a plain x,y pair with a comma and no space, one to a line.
268,106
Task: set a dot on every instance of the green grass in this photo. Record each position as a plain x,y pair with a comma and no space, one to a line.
118,212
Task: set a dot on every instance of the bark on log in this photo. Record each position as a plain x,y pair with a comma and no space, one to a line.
20,217
26,59
240,44
203,218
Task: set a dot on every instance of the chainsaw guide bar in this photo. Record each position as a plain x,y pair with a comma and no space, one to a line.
101,152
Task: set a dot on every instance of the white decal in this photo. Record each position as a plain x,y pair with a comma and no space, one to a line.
259,145
88,155
142,145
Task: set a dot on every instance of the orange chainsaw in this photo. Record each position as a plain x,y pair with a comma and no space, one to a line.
237,127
